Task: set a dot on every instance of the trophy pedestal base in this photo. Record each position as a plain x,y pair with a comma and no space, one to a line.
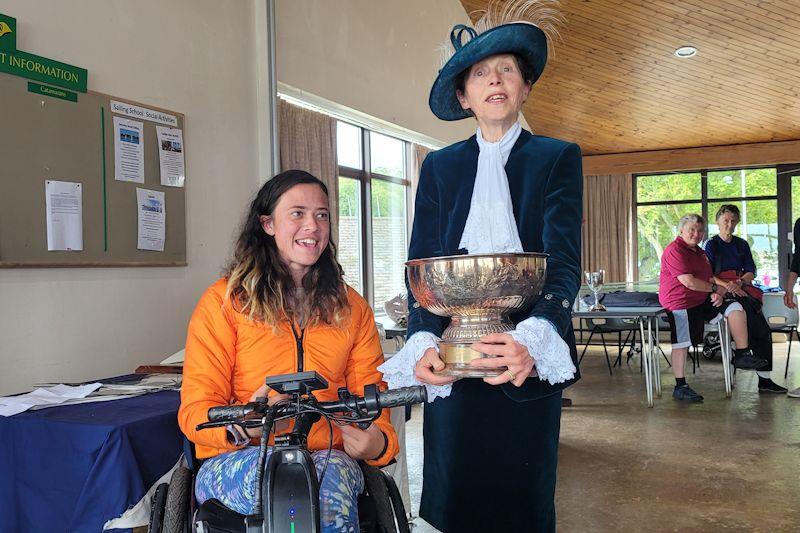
457,356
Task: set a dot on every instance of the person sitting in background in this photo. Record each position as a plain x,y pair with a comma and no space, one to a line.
731,255
794,271
734,270
688,291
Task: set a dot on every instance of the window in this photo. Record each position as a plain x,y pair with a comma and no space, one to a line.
661,200
373,212
351,233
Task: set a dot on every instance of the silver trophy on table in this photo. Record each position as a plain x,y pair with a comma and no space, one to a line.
594,280
476,292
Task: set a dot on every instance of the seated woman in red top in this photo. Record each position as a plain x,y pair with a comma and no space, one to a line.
688,291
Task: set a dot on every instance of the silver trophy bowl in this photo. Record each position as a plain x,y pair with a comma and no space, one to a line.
594,280
477,293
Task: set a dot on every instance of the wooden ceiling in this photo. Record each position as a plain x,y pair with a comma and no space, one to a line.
615,86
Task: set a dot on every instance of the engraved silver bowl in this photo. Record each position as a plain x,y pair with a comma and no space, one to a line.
477,292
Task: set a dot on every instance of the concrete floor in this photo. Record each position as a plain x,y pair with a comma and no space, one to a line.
724,465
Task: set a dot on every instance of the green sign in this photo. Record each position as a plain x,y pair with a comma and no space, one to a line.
8,33
44,70
34,67
55,92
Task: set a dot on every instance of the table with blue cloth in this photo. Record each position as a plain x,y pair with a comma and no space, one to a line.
72,468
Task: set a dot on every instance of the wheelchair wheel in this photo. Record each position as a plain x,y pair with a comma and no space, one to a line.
711,346
177,501
398,509
157,509
381,508
377,501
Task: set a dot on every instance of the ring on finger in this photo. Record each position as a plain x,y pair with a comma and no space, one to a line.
510,373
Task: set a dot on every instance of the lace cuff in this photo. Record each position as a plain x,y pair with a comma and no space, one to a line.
398,371
548,349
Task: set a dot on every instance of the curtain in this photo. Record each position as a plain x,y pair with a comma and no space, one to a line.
418,155
607,218
308,142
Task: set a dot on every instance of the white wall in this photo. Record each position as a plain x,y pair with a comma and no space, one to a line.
77,324
379,57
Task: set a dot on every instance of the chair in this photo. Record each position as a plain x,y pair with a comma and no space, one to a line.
781,319
610,325
663,325
693,353
704,349
726,349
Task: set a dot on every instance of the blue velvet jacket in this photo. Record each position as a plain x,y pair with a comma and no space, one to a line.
546,183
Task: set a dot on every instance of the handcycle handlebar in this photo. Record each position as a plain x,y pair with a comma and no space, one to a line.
280,494
230,412
402,396
363,407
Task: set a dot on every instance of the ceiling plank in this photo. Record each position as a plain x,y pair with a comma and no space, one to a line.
614,84
742,155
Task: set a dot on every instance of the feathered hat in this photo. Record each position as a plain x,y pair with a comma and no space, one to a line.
522,27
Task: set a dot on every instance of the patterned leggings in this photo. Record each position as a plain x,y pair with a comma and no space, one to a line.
231,479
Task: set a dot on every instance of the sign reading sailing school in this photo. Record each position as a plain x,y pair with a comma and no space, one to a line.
19,63
143,113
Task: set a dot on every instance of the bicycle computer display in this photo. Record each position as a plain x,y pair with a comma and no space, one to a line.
298,383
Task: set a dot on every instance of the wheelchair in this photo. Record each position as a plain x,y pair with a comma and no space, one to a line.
174,510
712,348
380,506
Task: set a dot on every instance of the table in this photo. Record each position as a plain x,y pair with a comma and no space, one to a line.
74,467
642,315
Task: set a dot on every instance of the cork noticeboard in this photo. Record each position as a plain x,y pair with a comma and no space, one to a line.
44,138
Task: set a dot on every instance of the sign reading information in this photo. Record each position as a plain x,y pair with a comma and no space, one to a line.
33,67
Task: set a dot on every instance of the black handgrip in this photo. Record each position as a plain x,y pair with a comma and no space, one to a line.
228,412
402,396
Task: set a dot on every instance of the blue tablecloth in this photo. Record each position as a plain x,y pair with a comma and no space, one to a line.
74,467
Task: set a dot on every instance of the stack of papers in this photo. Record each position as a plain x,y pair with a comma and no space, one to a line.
45,397
51,395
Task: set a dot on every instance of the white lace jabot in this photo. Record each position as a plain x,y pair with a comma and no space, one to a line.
490,227
490,223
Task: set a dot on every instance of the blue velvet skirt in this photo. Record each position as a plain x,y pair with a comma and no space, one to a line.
490,462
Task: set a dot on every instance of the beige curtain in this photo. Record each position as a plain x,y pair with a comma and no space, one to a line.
607,217
418,155
308,142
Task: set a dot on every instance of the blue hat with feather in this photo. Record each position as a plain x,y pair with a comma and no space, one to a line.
521,27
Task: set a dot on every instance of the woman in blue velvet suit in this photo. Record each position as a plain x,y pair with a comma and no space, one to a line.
491,444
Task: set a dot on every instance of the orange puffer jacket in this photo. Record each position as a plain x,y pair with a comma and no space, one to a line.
228,357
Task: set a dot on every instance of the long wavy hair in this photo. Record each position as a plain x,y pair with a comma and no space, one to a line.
261,286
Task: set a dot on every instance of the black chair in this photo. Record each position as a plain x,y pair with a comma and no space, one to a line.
781,319
611,325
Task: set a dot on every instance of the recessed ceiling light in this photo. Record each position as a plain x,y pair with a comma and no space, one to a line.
686,51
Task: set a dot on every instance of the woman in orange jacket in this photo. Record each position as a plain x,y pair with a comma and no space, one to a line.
282,307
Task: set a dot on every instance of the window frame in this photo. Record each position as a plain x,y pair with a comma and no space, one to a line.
365,177
782,198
